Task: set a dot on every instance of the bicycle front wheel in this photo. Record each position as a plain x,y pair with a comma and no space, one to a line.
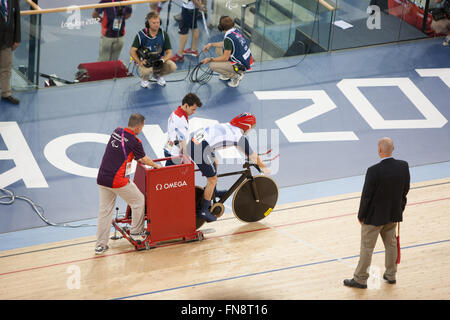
245,207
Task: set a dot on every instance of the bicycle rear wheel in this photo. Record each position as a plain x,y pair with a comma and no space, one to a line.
245,207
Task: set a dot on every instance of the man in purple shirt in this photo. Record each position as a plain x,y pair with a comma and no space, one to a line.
113,180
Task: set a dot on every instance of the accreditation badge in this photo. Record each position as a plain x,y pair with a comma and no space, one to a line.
128,169
117,23
199,136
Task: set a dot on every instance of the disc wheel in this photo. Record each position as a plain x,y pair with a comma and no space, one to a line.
198,206
245,207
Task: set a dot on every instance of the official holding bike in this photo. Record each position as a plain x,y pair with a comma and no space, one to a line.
178,128
209,139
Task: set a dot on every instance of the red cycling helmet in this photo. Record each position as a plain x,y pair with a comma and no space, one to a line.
244,121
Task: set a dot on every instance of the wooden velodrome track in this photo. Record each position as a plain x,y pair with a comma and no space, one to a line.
301,250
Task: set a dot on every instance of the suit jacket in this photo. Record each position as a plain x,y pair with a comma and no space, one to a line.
10,30
384,193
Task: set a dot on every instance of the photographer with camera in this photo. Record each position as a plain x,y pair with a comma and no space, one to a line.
151,51
441,20
237,57
113,30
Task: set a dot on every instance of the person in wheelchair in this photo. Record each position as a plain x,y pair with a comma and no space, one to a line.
206,140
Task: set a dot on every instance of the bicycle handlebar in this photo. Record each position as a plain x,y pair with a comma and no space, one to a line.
248,164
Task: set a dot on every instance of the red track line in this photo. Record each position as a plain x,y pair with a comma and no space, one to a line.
224,235
283,225
67,262
319,219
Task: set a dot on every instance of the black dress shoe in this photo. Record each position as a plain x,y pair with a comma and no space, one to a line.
352,283
389,281
11,99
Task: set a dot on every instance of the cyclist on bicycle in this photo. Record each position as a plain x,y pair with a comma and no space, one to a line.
218,136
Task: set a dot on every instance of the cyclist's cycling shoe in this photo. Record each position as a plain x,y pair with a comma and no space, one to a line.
205,214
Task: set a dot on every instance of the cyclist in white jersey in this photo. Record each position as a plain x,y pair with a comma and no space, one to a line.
206,140
178,128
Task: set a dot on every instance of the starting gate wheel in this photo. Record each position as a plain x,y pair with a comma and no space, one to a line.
217,209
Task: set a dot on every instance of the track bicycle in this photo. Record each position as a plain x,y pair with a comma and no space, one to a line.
254,198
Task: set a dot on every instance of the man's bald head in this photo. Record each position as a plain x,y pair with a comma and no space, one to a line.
385,147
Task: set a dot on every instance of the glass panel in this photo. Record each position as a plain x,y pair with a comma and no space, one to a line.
71,43
23,73
62,48
368,22
315,24
294,27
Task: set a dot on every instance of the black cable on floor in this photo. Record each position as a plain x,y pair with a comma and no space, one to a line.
11,198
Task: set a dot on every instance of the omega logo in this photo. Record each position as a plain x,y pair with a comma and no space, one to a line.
165,186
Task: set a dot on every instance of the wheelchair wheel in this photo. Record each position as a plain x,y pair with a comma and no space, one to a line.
245,207
198,206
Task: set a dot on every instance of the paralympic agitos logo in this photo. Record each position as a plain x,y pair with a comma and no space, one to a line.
165,186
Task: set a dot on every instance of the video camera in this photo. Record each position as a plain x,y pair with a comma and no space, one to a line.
442,12
152,58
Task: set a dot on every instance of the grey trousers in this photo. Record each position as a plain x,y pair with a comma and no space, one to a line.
6,56
135,199
110,48
369,236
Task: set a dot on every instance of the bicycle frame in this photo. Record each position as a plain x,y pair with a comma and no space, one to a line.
245,174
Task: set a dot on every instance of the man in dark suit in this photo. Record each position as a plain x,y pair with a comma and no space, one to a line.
383,201
9,41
